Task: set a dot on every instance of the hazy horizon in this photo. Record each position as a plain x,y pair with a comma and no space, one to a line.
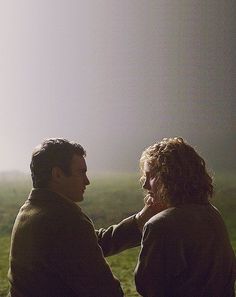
116,76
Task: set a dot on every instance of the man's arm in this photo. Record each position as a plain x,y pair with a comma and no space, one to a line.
119,237
127,233
82,265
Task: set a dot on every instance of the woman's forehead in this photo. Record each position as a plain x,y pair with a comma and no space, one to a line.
149,167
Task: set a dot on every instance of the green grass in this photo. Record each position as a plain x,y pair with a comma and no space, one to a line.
108,200
225,200
4,244
122,266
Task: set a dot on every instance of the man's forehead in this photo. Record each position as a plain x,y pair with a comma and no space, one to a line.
79,162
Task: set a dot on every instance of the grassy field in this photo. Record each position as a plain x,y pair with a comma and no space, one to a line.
108,200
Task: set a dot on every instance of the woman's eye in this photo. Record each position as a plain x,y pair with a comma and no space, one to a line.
153,178
143,180
152,175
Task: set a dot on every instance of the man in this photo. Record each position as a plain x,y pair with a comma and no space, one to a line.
55,251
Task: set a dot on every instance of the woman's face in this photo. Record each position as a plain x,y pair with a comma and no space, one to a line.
150,181
151,186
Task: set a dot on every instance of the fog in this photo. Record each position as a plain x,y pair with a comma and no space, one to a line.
116,76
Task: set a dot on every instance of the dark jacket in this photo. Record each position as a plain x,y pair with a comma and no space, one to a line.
186,252
55,251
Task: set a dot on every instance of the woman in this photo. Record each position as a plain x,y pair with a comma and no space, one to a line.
185,249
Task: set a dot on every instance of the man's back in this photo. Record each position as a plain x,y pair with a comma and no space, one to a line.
55,253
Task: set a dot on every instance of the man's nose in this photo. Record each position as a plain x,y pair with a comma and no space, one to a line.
87,182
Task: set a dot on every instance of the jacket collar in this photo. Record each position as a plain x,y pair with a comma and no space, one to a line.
44,194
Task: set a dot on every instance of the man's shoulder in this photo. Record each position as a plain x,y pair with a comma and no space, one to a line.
47,204
46,213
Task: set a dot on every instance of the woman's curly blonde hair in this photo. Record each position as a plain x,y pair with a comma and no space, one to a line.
181,173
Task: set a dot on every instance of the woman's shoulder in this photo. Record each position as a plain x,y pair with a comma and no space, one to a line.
163,217
187,212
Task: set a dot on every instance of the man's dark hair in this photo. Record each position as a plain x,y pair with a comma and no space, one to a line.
52,152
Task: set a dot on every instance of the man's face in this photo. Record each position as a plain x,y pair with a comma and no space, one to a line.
74,185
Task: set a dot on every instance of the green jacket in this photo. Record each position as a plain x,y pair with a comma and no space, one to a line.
56,252
186,252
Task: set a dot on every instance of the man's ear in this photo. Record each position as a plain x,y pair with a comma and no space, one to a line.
57,173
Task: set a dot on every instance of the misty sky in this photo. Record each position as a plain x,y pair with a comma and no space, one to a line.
116,76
